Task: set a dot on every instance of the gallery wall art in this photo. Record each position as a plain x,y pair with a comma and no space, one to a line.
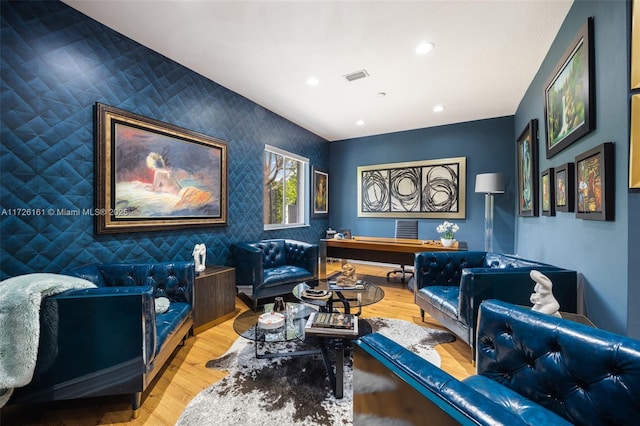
594,183
527,157
153,176
569,94
427,189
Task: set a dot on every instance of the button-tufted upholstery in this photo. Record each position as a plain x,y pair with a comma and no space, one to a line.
273,267
451,285
532,369
109,340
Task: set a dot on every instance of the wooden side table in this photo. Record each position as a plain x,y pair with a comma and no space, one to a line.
214,297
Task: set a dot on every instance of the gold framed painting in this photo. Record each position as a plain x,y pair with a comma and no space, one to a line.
153,176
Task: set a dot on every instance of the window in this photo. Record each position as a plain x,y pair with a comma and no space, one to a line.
285,189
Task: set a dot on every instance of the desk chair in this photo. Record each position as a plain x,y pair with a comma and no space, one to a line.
404,229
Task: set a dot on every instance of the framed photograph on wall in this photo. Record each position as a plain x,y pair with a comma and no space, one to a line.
547,191
569,94
527,158
153,176
564,187
634,144
320,193
416,189
594,183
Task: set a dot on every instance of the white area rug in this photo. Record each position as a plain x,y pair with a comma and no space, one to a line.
292,390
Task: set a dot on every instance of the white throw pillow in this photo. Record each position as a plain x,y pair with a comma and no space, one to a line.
162,305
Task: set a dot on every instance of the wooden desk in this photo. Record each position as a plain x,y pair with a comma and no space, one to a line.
378,249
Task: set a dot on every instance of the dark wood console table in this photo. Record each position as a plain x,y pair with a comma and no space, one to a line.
214,297
399,251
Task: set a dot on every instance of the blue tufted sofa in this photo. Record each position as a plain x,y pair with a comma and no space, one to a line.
109,340
273,267
532,369
450,286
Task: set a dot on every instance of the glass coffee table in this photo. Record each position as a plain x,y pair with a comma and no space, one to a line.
246,325
296,315
350,300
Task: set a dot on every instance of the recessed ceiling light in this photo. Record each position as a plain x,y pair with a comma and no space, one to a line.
423,48
360,123
312,81
438,108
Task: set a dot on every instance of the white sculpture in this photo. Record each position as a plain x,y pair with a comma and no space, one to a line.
542,297
200,256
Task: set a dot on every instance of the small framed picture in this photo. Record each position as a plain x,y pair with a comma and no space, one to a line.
594,183
320,193
547,189
564,187
527,157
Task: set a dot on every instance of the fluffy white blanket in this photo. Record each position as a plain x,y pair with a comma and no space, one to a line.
20,299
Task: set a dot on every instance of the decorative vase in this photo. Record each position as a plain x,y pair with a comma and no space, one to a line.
447,242
279,305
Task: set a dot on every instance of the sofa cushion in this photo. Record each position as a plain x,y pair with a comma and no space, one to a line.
530,412
169,322
283,274
443,298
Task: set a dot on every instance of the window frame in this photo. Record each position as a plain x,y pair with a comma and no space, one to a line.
303,189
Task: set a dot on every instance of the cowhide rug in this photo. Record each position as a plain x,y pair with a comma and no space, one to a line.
292,390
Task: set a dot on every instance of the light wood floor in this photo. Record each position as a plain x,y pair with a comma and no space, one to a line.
185,375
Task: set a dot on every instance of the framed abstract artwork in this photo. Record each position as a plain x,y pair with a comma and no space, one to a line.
153,176
569,94
426,189
547,192
527,158
594,183
564,187
320,193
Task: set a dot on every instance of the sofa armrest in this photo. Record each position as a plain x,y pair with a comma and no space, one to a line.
444,268
389,377
247,259
92,343
513,285
304,255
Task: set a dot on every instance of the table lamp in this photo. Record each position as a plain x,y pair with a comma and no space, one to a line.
489,184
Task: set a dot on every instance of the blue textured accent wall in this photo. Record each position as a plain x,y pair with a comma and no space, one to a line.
488,146
597,250
56,63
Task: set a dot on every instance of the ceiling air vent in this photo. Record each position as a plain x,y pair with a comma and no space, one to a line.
357,75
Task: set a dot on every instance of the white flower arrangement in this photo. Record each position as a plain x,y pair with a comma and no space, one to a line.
447,230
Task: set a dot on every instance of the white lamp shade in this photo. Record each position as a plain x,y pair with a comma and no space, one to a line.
490,183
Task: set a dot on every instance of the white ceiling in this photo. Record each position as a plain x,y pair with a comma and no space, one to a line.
486,54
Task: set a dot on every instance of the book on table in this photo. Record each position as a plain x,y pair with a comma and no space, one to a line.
332,323
358,285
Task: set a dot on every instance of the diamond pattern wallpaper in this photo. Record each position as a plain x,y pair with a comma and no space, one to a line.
56,63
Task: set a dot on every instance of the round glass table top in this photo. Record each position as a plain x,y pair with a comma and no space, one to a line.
367,295
296,314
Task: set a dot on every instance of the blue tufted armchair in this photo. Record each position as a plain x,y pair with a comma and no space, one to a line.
273,267
450,286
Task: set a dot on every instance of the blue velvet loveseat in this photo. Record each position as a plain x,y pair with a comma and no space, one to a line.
532,369
109,340
273,267
450,286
